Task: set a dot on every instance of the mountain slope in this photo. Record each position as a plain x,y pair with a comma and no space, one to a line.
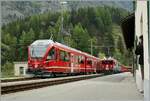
13,10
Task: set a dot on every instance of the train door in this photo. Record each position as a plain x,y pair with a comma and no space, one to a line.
94,66
64,61
77,63
50,59
81,61
89,65
72,62
85,64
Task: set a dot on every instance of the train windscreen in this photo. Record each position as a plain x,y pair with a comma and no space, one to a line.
38,48
37,51
107,62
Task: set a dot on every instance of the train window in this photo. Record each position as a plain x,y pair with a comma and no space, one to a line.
67,56
103,62
51,55
89,62
64,56
81,59
111,62
76,59
107,62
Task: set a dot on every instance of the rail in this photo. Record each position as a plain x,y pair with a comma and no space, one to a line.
17,79
11,87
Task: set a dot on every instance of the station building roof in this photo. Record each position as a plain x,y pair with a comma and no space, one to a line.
128,30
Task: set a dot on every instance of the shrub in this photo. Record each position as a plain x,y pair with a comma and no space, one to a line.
7,70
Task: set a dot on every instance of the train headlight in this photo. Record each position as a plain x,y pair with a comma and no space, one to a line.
107,68
36,65
111,66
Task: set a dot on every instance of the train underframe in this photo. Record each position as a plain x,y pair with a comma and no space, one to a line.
53,72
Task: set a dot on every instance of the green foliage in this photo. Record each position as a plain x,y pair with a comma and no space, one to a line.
120,45
98,25
120,50
25,40
81,38
5,49
8,39
101,55
8,47
7,70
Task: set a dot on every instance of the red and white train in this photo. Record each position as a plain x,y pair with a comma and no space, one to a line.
111,65
108,65
46,57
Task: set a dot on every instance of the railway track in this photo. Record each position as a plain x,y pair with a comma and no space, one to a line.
3,80
11,87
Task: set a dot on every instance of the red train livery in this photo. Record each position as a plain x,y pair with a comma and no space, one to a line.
125,69
48,57
108,65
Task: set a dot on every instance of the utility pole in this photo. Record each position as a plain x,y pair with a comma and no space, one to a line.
107,47
91,42
62,20
91,47
108,51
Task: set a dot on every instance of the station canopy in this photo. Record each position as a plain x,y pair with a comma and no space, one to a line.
128,30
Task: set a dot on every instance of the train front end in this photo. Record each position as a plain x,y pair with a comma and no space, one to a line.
107,66
36,56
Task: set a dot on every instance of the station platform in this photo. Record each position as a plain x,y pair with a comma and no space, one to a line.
120,87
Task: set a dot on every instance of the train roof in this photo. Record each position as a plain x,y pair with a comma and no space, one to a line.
62,46
74,50
42,42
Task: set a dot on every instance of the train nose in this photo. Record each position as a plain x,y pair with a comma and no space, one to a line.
39,65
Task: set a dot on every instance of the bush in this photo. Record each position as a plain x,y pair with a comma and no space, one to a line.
7,70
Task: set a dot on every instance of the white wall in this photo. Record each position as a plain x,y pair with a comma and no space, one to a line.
141,10
17,66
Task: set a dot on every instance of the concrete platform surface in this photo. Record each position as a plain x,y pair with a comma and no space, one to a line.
112,87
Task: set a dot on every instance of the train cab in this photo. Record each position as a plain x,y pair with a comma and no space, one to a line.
107,65
38,52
